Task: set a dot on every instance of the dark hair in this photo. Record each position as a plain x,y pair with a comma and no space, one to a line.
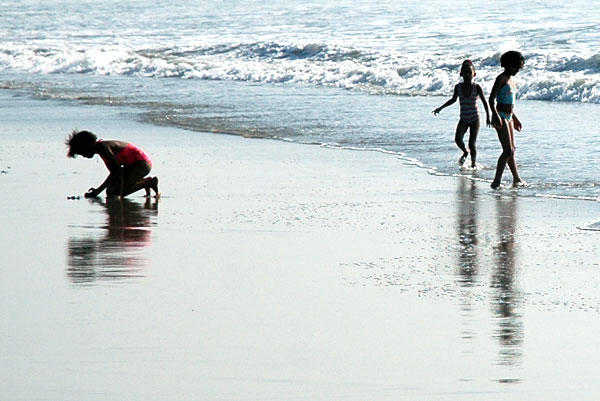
467,63
79,142
512,58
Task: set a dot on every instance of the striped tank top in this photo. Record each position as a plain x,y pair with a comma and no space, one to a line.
469,112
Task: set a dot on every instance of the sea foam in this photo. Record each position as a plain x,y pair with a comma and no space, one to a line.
546,76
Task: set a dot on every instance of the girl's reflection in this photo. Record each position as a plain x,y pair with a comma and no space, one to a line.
114,252
468,265
467,231
506,297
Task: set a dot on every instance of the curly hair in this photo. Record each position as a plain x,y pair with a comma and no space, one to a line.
512,58
80,141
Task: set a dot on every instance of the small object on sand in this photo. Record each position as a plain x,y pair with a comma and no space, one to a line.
74,197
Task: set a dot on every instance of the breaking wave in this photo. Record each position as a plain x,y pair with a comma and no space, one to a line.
549,77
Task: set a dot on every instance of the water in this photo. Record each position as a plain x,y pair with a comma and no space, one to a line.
361,75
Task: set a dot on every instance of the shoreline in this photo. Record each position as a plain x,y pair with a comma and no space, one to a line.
271,269
538,169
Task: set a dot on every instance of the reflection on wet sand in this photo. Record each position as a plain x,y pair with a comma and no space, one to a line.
472,258
467,231
468,265
113,250
506,298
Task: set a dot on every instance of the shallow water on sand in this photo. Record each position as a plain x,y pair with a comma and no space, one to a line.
555,157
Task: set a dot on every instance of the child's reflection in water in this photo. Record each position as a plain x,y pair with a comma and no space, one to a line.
505,296
113,253
467,225
506,299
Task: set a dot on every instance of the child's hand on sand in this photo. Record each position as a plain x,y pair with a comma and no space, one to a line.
91,193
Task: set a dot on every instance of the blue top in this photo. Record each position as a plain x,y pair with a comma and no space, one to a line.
507,94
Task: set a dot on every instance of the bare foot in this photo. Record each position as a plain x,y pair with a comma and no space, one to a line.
519,184
462,159
154,187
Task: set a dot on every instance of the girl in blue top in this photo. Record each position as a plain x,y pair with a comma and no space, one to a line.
504,119
467,93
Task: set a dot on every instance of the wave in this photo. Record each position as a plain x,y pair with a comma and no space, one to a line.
547,76
273,51
592,226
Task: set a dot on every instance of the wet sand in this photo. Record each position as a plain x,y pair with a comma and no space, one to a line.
271,270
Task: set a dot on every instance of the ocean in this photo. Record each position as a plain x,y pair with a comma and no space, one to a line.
354,75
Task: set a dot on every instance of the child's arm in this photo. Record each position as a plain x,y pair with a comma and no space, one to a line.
485,105
113,166
500,80
517,123
94,192
448,103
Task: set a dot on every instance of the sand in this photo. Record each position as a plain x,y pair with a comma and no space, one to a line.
275,271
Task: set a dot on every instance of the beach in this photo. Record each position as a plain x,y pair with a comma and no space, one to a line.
284,271
315,238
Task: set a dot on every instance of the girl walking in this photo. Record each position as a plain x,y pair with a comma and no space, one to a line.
504,119
467,93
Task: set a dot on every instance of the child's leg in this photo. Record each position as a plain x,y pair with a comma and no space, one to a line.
134,180
152,185
461,129
113,188
507,151
512,161
145,183
473,132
